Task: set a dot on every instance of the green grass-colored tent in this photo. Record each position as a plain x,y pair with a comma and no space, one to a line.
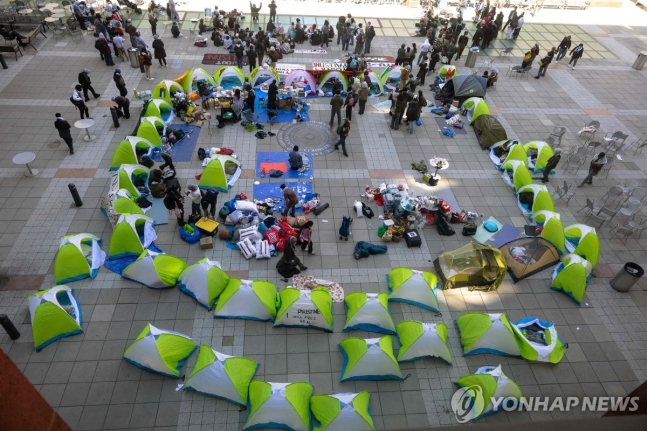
342,412
571,276
158,108
413,287
279,405
55,314
133,234
475,266
165,89
520,175
583,240
132,176
156,270
553,229
189,79
246,299
79,256
544,152
516,153
150,132
215,175
475,108
542,201
368,312
204,281
262,75
419,340
369,359
229,77
305,309
126,151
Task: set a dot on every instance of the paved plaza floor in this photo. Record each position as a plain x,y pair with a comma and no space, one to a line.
86,380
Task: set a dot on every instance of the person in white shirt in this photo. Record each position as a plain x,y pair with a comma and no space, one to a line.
424,49
78,101
118,41
193,192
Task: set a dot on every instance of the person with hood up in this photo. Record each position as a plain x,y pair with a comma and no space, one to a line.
120,82
289,264
576,54
544,62
595,167
563,48
551,164
424,51
86,83
159,51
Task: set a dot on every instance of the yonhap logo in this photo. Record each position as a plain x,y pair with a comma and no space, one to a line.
468,403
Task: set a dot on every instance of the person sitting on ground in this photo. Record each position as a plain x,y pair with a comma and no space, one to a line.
175,30
295,159
290,264
492,77
156,184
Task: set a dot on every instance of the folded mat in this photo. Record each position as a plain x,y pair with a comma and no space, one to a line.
483,235
505,234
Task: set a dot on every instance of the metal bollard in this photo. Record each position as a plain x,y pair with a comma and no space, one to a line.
4,63
9,327
75,195
115,118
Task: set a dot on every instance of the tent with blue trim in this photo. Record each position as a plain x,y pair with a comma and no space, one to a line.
220,173
369,359
127,151
571,276
204,281
160,351
246,299
79,256
413,287
305,309
133,234
583,240
279,405
342,412
156,270
419,340
55,314
368,312
221,376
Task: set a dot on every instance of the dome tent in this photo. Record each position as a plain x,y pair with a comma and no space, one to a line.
246,299
189,79
263,74
79,256
55,314
133,234
413,287
215,176
305,309
229,77
544,152
463,87
324,84
221,376
571,277
377,87
475,266
159,108
279,405
516,153
489,130
390,77
131,177
368,312
418,340
528,256
149,130
369,359
342,412
499,151
541,199
583,240
156,270
204,281
126,151
490,383
445,68
553,229
475,107
300,78
160,351
538,340
118,201
165,89
520,175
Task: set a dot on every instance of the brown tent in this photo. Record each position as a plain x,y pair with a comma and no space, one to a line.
489,131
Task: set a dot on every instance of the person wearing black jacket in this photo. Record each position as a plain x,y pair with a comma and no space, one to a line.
370,34
63,128
123,106
563,48
544,62
254,10
576,54
251,97
478,36
272,7
239,52
462,43
120,82
251,57
86,83
271,95
340,28
512,16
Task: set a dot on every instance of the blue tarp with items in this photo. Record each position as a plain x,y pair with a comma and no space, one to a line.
264,191
118,265
284,116
279,161
183,150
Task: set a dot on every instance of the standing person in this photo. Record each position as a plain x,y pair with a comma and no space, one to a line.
80,16
120,82
335,109
544,62
400,55
123,106
274,57
343,132
576,54
251,57
239,53
349,103
462,43
194,193
118,42
132,32
272,7
86,83
340,28
63,128
290,200
363,97
424,51
413,113
295,159
359,42
400,106
251,98
271,95
563,48
77,100
512,16
103,47
140,44
595,167
499,22
208,202
422,72
370,34
325,34
529,58
254,10
174,201
146,60
346,37
160,52
517,28
168,161
551,164
305,237
152,19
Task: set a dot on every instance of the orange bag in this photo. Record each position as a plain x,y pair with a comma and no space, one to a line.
193,96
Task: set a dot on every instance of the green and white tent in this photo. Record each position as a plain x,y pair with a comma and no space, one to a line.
246,299
150,129
478,390
156,270
475,107
413,287
368,312
571,276
279,405
160,351
342,412
221,376
538,340
542,201
204,281
160,108
520,175
189,79
516,153
553,229
220,173
133,234
55,314
118,202
369,359
583,240
419,340
229,77
79,256
305,309
132,176
165,89
544,152
126,151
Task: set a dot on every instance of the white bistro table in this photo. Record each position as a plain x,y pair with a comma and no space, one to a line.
86,124
26,159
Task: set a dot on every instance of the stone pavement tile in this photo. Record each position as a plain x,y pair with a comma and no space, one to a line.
106,371
100,393
128,371
75,394
124,312
71,415
118,416
83,371
124,392
52,393
59,372
66,351
149,391
103,312
593,352
413,403
623,371
585,373
394,422
92,418
392,403
144,415
276,364
90,350
167,414
20,352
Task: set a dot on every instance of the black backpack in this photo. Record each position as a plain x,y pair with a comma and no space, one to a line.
469,229
443,227
367,211
202,153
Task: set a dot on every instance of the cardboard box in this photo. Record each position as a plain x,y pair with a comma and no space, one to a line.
188,120
206,242
199,123
455,103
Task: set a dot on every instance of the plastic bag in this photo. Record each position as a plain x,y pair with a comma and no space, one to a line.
358,209
448,132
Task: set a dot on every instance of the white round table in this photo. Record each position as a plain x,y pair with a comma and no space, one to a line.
58,11
86,124
51,19
26,159
25,11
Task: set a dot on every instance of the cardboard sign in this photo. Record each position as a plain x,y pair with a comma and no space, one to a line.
310,51
387,59
329,66
379,65
285,68
225,59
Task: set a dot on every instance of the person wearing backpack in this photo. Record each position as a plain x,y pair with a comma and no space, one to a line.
86,83
349,103
413,113
359,42
370,34
363,97
325,34
353,64
347,36
146,60
208,202
343,132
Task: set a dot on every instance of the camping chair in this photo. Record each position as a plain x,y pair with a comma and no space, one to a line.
624,231
608,212
639,144
615,195
590,205
638,195
524,72
595,124
615,141
563,193
573,161
592,146
631,209
583,152
512,69
607,167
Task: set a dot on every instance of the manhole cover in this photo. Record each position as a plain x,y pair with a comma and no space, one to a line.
54,144
312,137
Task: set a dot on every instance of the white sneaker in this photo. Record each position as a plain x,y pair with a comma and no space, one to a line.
573,68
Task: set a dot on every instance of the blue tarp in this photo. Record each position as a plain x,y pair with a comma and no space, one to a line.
283,115
183,150
275,157
273,190
118,265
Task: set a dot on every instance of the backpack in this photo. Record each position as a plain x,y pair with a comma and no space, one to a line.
360,38
348,32
202,153
142,59
367,211
370,32
469,229
353,63
351,102
339,130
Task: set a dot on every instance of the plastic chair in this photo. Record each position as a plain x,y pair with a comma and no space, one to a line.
629,187
638,226
595,219
638,195
506,52
623,231
583,152
608,212
590,205
631,209
639,144
524,72
607,167
563,193
573,161
615,195
513,69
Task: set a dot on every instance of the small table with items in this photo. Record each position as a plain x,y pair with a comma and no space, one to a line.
437,163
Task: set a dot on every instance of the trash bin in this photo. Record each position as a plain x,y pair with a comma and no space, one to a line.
133,54
627,277
471,57
640,61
